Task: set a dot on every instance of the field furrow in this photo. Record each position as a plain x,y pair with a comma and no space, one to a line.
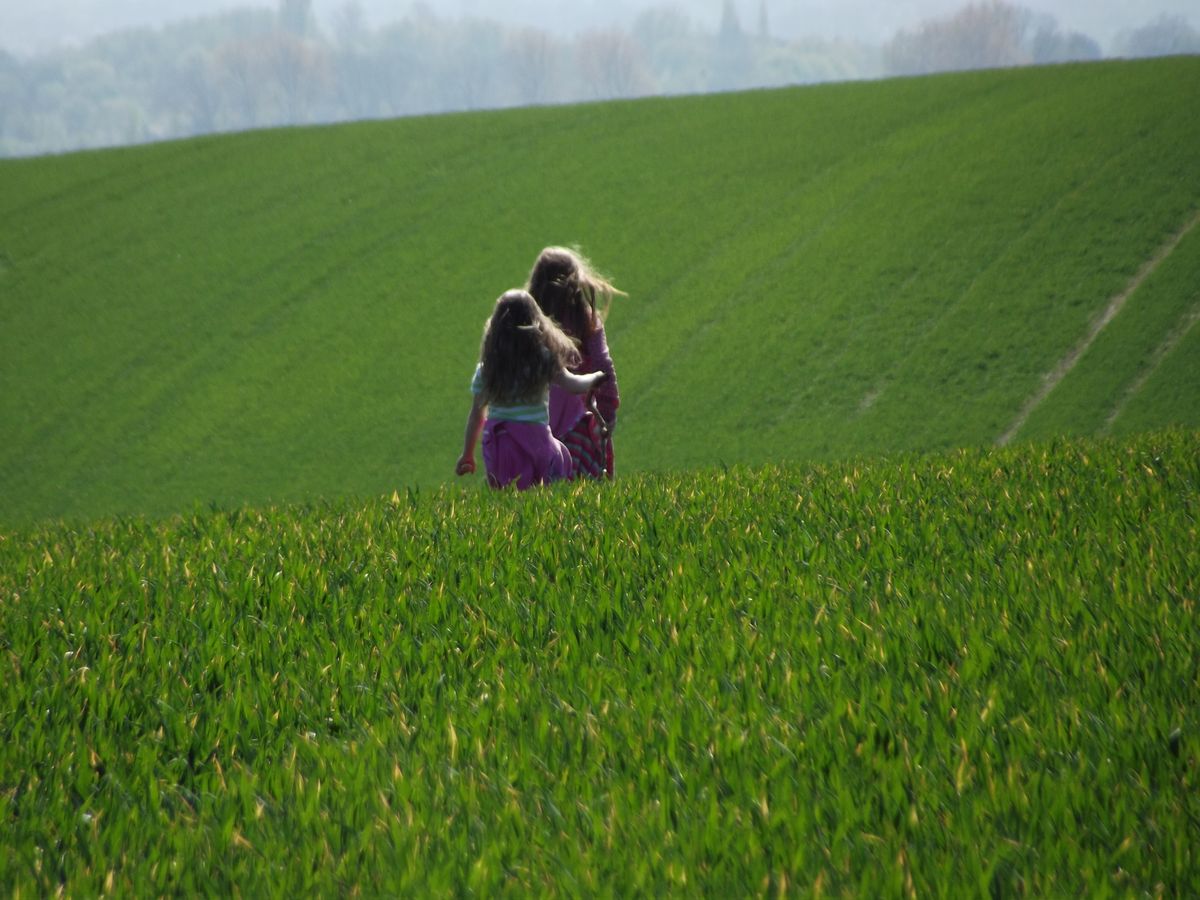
1052,378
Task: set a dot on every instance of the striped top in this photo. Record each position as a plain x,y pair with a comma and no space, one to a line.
537,413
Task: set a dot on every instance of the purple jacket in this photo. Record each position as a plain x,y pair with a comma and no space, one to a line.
566,409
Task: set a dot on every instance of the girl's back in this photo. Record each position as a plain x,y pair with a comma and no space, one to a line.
522,354
568,290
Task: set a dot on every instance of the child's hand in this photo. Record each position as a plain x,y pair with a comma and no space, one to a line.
578,384
466,465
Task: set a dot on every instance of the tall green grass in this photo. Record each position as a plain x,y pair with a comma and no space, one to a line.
972,672
813,273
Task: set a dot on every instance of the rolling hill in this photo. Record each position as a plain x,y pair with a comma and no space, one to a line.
813,273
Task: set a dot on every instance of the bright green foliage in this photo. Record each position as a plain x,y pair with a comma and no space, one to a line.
971,673
813,273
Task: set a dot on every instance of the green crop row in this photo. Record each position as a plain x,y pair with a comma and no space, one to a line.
965,673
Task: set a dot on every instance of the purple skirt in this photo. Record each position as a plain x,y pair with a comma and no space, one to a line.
524,452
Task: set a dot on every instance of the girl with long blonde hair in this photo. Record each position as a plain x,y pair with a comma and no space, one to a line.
569,290
523,353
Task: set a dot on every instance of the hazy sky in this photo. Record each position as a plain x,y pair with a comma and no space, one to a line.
27,26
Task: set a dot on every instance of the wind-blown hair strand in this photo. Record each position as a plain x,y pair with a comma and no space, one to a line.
570,291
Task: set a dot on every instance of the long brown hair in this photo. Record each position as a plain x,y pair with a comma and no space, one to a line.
570,291
522,350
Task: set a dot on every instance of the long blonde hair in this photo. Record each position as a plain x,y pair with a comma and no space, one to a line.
570,291
522,350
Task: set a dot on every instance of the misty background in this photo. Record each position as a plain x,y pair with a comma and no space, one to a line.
89,73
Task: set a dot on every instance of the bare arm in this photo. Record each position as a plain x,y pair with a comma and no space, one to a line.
466,462
578,384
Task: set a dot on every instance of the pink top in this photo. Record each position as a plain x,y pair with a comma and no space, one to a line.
566,409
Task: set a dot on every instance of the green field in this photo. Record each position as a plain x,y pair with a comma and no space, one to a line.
971,673
895,594
813,274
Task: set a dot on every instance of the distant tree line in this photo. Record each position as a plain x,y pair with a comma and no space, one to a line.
252,68
985,35
996,33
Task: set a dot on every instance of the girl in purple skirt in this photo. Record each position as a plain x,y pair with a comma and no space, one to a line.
576,297
523,353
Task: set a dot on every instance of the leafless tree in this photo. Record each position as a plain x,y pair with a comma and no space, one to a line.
532,60
241,72
299,69
982,35
1165,36
466,58
199,94
611,65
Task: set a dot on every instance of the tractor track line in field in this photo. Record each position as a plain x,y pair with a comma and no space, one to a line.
1052,378
1162,352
